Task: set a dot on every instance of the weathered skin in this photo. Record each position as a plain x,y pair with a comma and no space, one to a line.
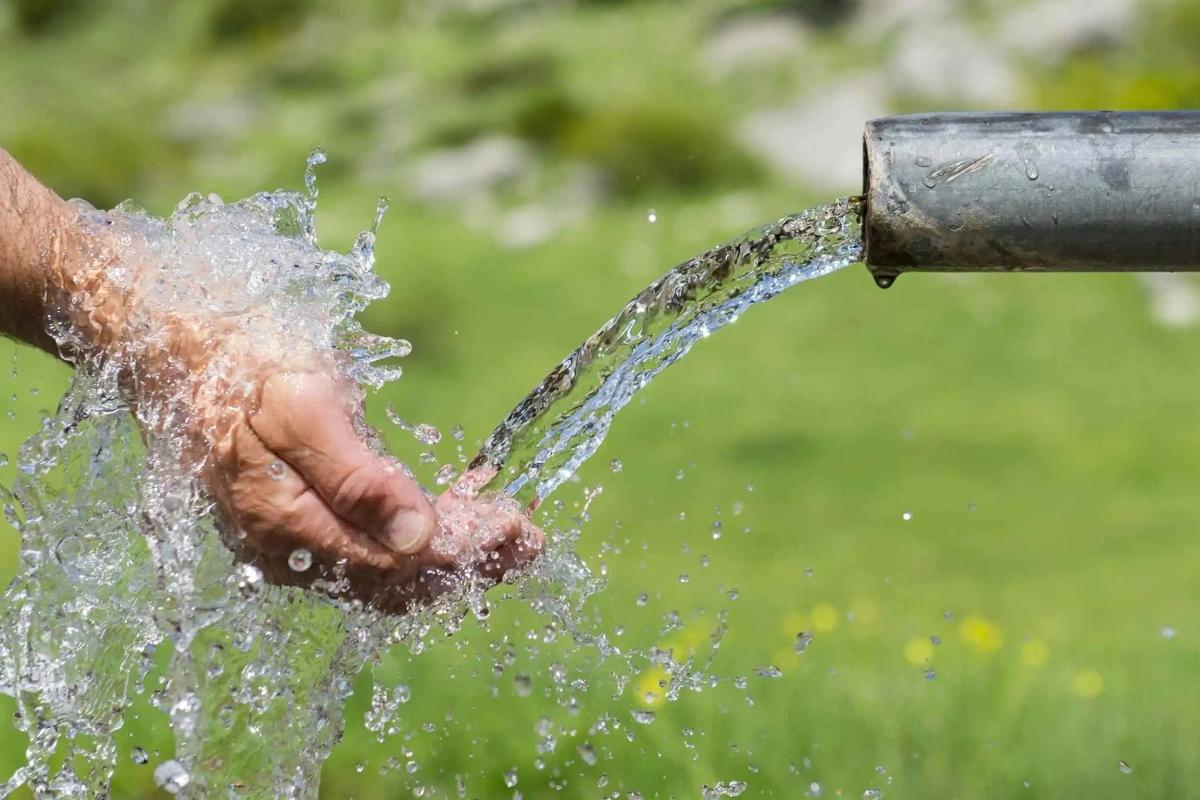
358,512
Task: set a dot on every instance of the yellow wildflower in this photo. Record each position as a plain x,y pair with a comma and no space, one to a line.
982,634
1087,683
918,651
824,617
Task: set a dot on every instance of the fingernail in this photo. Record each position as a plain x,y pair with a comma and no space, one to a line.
409,531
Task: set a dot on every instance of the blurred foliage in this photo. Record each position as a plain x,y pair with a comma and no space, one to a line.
659,149
1053,510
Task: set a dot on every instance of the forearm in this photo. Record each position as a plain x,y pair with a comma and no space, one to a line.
37,233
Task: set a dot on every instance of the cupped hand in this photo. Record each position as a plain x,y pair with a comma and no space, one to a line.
291,475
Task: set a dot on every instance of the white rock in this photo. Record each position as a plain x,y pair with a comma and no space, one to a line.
753,41
1048,29
1174,302
452,174
818,140
950,60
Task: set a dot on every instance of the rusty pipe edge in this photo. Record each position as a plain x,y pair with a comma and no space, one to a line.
1066,191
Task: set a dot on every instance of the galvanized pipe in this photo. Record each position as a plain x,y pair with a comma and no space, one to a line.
1076,192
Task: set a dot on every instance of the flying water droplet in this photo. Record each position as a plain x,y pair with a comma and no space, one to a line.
171,776
445,475
643,717
277,470
138,755
300,560
427,434
316,157
1124,767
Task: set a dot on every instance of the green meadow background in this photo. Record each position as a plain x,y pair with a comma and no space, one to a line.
978,494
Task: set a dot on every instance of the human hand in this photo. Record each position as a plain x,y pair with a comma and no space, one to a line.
292,473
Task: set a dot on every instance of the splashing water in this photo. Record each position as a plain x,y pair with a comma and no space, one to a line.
563,421
121,551
125,589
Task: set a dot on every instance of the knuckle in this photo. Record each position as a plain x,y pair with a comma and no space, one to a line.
363,492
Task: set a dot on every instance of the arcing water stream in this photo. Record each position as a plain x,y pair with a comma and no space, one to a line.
125,590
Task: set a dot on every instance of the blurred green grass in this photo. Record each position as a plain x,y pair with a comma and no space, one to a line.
1039,429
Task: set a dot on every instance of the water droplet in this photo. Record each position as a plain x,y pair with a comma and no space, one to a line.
814,789
524,685
249,579
139,756
935,639
715,529
381,208
171,776
445,475
768,672
643,717
930,674
1031,170
615,465
906,516
316,157
457,433
924,161
1124,767
872,794
427,434
1168,632
587,753
803,640
300,560
642,599
510,778
652,215
684,578
277,470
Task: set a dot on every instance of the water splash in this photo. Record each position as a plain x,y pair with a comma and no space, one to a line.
124,589
562,422
125,592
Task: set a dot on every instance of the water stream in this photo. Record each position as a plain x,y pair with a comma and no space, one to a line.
563,421
125,592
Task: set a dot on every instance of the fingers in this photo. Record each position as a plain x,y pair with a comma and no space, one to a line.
278,512
303,419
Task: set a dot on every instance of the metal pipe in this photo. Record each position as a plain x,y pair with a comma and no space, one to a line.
1075,192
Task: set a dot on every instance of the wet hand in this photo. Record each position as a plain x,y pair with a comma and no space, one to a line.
292,475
